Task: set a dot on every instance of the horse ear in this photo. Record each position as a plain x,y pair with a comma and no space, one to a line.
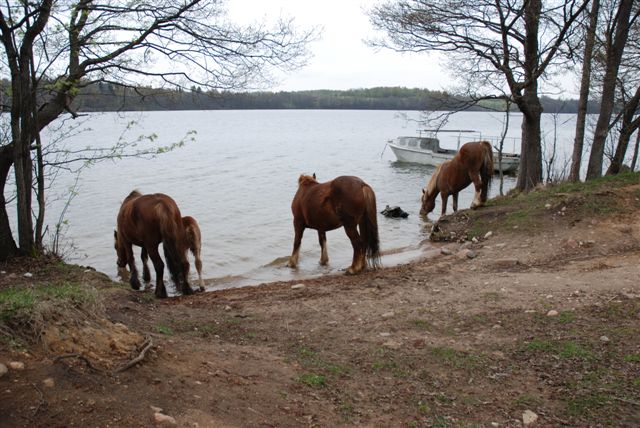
423,191
314,175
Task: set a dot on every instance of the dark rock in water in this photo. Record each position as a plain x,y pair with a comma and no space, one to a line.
394,212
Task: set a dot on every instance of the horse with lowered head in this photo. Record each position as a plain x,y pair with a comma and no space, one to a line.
147,221
194,239
345,201
472,164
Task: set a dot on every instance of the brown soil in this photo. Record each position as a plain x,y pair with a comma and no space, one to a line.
450,341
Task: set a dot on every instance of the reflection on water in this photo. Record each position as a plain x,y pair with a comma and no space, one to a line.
238,178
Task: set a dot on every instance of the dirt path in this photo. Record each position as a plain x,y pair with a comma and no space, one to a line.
541,324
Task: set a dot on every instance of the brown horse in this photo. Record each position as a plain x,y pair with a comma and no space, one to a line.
194,238
345,201
147,221
472,164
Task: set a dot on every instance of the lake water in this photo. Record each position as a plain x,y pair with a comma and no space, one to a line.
238,178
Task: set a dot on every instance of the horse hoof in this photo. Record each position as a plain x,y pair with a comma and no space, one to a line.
162,295
135,285
187,291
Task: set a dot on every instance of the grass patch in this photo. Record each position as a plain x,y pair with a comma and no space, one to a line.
347,412
163,329
566,317
573,350
632,358
423,407
25,311
540,345
562,349
491,296
439,422
457,359
526,400
309,358
313,380
422,325
585,404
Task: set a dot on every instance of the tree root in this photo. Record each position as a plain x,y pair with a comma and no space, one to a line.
146,345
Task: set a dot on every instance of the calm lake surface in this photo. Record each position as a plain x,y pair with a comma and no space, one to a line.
238,178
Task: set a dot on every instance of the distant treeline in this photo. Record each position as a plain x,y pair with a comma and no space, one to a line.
108,97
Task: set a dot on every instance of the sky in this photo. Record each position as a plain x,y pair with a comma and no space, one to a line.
341,60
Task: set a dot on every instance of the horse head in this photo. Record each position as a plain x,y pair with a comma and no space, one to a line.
428,202
122,257
429,193
307,179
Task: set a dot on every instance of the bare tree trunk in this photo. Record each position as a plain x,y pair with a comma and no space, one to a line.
23,165
629,125
614,52
8,246
505,130
635,152
530,173
39,159
578,144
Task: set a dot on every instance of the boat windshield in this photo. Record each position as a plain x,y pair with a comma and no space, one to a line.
429,144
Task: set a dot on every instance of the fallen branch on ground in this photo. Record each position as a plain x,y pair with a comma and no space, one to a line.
147,344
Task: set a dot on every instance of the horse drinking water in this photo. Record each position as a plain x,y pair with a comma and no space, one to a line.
472,164
194,238
345,201
147,221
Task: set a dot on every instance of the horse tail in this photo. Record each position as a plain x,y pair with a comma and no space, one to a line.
486,170
369,228
174,246
194,239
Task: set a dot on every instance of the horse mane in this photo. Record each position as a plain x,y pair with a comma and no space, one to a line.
306,179
433,182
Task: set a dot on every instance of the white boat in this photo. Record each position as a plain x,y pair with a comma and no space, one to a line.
427,151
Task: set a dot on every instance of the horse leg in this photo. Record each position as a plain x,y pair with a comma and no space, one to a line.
186,287
444,196
477,184
297,240
133,279
455,202
324,256
146,275
161,291
358,262
199,269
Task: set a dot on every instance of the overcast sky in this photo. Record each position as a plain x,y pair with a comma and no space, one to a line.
341,60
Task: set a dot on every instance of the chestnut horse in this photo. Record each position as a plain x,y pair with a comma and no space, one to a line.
194,238
147,221
472,164
345,201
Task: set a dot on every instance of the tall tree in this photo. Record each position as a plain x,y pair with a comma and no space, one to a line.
628,96
585,85
53,49
615,41
514,42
